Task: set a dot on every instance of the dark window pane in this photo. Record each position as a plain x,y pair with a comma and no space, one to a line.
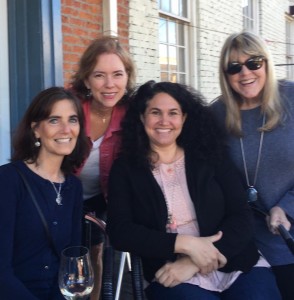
181,60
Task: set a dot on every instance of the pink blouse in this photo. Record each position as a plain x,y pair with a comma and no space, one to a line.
172,181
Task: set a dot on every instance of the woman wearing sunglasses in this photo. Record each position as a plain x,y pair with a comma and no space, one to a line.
257,112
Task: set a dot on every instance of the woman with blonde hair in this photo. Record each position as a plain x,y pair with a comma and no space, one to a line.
103,82
256,110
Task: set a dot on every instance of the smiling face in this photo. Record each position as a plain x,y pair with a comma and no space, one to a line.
163,120
247,83
108,81
59,132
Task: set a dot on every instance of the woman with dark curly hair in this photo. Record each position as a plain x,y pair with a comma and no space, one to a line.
177,202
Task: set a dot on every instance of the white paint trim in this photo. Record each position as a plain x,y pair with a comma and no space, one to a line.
110,17
193,75
4,87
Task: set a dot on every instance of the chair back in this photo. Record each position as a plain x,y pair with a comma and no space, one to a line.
108,290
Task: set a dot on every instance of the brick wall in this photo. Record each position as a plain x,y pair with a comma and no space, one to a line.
216,19
143,39
82,21
138,29
219,18
123,22
273,29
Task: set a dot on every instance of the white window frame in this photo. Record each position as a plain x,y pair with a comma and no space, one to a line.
185,22
290,47
251,16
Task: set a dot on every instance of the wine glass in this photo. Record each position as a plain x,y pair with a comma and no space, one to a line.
76,278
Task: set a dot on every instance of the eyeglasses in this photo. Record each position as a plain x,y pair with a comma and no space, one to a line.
253,63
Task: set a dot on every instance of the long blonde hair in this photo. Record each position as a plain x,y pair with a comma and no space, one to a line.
252,45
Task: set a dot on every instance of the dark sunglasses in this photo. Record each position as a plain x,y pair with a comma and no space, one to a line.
253,63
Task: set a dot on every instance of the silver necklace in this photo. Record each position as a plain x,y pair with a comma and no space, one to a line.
58,196
251,190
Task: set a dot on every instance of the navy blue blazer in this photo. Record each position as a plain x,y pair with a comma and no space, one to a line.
28,265
137,213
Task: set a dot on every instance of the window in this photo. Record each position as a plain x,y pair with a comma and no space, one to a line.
174,7
250,15
173,40
290,48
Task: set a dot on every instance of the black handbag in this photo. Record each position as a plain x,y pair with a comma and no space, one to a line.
49,237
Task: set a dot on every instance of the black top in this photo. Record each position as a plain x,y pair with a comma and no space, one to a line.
137,213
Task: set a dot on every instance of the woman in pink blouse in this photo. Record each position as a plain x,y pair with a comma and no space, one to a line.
176,200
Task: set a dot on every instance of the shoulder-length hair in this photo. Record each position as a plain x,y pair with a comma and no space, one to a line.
39,110
88,61
199,134
249,44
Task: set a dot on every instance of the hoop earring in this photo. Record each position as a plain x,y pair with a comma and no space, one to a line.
37,144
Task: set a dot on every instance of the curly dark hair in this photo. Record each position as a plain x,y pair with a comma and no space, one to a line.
39,110
200,134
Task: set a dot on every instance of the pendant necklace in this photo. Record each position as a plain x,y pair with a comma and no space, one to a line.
171,225
251,191
58,196
103,117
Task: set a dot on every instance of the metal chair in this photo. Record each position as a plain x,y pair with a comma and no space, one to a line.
109,291
137,277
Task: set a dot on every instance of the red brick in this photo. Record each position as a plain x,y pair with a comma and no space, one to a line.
82,22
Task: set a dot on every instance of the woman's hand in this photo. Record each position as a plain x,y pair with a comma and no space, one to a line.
201,251
276,217
174,273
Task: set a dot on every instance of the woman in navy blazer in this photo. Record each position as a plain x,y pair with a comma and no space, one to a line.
50,143
176,201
